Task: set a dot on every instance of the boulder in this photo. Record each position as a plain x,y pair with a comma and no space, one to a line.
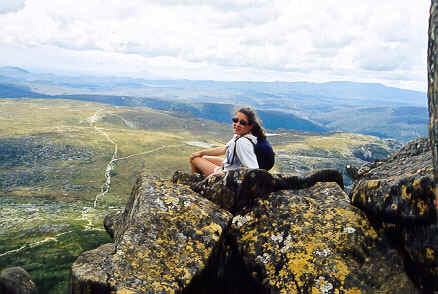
399,189
408,199
289,234
398,194
313,241
92,270
420,242
15,280
110,221
164,239
239,189
415,156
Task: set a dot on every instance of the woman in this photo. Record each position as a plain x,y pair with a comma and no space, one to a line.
239,151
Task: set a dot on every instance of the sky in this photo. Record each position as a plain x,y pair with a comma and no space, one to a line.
382,41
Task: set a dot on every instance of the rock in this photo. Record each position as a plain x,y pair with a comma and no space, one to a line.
294,181
92,270
398,194
289,234
110,221
165,238
239,189
180,177
15,280
400,188
408,199
313,241
370,152
352,172
414,156
420,242
415,147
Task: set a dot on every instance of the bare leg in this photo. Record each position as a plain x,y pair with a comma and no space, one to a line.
203,165
193,168
216,160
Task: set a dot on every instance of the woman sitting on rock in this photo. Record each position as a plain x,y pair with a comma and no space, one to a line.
239,153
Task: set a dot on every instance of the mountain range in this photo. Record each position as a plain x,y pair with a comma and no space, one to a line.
367,108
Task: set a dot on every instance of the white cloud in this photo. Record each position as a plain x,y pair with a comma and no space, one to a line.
8,6
315,40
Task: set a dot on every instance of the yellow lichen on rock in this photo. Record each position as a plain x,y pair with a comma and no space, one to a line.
125,291
313,241
430,253
164,238
422,207
373,184
353,291
404,194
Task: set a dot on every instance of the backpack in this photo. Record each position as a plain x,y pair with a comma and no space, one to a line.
263,150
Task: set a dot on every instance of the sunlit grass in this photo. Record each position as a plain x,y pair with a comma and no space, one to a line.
343,143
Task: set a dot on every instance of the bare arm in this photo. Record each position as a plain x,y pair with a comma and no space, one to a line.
211,152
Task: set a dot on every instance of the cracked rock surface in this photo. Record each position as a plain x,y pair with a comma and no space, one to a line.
163,239
314,241
169,239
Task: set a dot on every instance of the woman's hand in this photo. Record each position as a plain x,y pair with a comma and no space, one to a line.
195,154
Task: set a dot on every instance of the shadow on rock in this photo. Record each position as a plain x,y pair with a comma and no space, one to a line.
239,189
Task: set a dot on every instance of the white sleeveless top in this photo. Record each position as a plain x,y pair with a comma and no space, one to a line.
245,155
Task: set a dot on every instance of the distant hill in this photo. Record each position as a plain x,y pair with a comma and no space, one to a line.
17,91
401,122
13,71
213,111
271,119
368,108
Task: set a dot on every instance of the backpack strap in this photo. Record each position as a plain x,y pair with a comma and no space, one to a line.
234,152
235,144
250,141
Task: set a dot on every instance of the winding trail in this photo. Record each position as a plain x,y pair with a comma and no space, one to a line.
110,166
104,189
55,238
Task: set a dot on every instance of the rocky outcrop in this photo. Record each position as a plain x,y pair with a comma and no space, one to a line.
370,152
239,189
289,234
398,194
400,188
377,169
313,241
15,280
109,222
164,239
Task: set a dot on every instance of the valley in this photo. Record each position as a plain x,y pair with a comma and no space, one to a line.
65,164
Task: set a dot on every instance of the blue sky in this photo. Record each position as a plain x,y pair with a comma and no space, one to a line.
258,40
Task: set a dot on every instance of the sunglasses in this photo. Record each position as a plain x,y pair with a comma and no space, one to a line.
242,122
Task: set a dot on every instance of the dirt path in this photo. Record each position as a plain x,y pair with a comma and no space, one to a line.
55,238
110,166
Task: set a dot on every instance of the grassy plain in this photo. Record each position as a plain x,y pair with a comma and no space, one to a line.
47,216
53,158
